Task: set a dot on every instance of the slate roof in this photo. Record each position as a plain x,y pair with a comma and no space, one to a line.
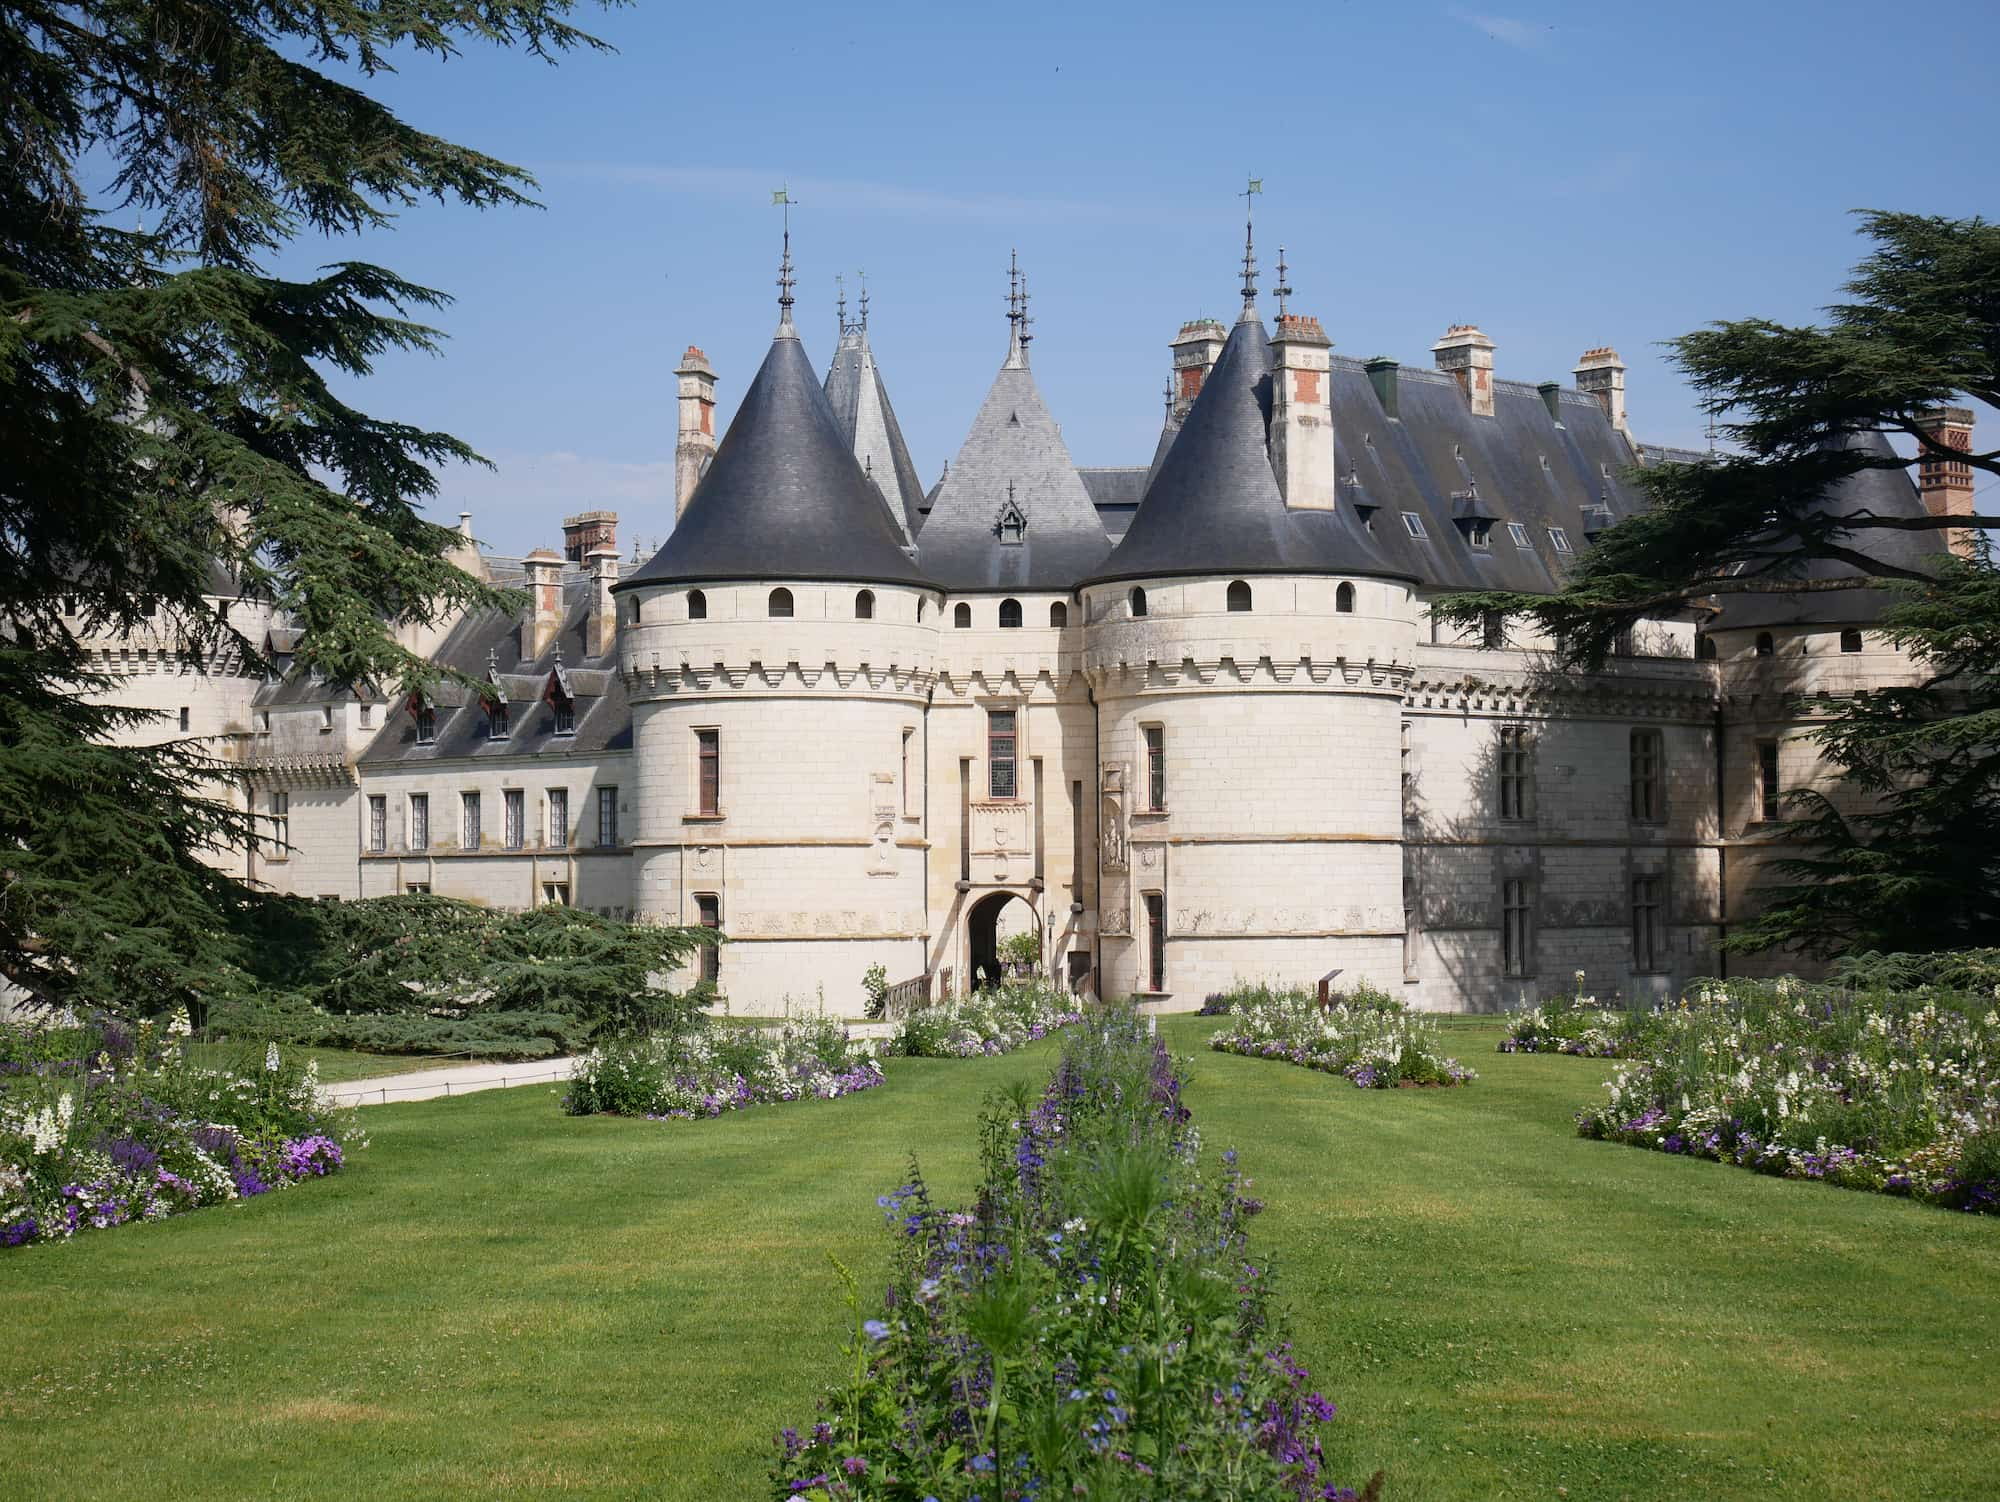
860,405
1014,442
1213,507
1885,492
784,496
1116,494
603,716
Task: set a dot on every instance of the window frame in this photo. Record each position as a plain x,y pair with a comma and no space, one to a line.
1239,598
469,820
1559,540
514,818
697,604
1649,945
1155,904
1058,615
961,617
1514,765
1135,601
1517,928
708,914
1517,533
864,605
378,823
1153,747
1007,740
1414,525
418,814
781,605
1343,598
708,771
278,809
555,830
607,818
1646,751
1770,785
1010,614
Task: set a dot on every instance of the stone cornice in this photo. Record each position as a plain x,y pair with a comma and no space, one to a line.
656,679
1526,693
1339,674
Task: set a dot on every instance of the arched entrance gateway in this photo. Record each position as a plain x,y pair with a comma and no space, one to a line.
992,919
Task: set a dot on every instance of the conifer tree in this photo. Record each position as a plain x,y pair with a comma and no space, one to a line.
168,430
1907,854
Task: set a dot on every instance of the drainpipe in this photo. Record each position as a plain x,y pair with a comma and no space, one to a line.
1721,851
1096,823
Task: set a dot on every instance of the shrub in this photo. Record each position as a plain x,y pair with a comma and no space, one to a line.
1573,1024
1866,1087
1092,1324
993,1021
104,1121
704,1070
1374,1045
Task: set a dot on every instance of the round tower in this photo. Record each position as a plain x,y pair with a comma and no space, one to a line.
777,653
1248,658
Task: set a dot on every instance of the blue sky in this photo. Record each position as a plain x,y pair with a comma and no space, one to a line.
1563,175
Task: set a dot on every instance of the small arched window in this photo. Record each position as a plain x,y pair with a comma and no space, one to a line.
697,605
920,607
1850,640
781,604
1010,614
1704,648
1138,601
961,617
632,615
1239,595
1059,614
1765,646
864,605
1343,599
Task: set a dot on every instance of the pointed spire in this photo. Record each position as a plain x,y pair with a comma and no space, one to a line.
1281,290
783,198
1249,197
864,301
1016,354
1026,321
840,302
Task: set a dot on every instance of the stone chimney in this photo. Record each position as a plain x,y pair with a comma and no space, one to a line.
1383,376
1302,414
543,618
1600,373
1947,483
1196,349
697,432
1466,355
602,561
587,531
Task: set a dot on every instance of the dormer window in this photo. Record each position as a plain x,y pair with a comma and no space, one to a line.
1517,533
1012,525
1559,539
1480,535
422,711
499,720
1414,525
565,715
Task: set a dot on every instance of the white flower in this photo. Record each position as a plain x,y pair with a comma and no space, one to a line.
271,1058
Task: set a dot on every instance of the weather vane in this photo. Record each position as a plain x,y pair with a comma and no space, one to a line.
1249,197
783,197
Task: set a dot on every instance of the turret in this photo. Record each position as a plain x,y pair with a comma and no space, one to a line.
696,444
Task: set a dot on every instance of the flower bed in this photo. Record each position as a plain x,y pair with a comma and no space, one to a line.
1366,1037
986,1022
1093,1324
102,1123
705,1070
1893,1091
1574,1024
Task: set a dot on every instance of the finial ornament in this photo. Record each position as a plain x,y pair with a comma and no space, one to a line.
864,301
840,301
1249,197
1281,290
1026,321
782,197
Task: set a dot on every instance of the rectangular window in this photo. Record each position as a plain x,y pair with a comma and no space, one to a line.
499,720
417,888
1649,791
1413,915
558,818
281,825
420,821
427,725
708,773
1493,630
910,808
1767,779
1516,771
565,716
326,719
368,717
555,894
1000,746
1518,533
607,816
514,813
708,913
187,717
378,823
1648,942
468,821
1156,768
1156,941
1414,525
1516,934
1559,538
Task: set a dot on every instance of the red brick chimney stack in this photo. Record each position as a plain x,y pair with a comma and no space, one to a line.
1947,483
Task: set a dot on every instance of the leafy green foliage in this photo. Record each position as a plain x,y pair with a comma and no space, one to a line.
169,431
424,974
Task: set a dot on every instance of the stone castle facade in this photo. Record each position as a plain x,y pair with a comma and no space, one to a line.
1192,721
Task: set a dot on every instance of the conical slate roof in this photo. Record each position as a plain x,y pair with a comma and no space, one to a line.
861,406
1879,492
1213,506
1013,458
784,497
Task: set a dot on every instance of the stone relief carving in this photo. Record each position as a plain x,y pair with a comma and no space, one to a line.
1114,914
1111,816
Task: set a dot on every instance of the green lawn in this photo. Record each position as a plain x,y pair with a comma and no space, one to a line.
499,1298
